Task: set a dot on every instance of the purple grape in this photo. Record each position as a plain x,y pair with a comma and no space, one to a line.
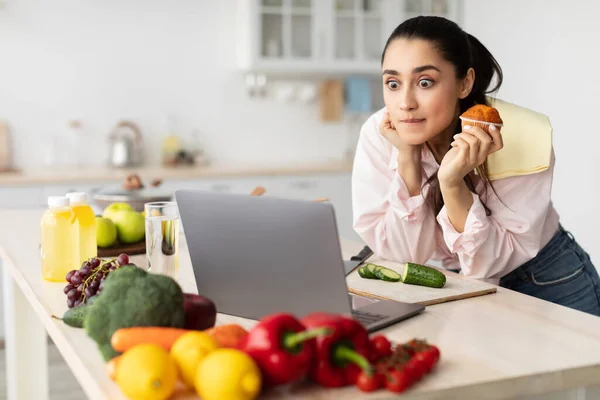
77,302
70,303
79,289
68,288
76,278
89,292
73,294
70,275
123,259
95,263
99,275
85,264
85,271
111,269
94,285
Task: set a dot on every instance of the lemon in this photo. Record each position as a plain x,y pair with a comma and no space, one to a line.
189,350
146,371
228,374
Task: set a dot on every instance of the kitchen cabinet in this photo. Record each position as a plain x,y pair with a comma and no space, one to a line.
322,37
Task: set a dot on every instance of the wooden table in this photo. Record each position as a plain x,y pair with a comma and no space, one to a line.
504,345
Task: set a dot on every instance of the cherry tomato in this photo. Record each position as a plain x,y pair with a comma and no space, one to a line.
417,367
368,382
427,358
436,353
381,346
398,381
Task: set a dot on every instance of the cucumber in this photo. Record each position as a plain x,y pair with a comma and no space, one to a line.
386,274
362,273
374,271
417,274
370,271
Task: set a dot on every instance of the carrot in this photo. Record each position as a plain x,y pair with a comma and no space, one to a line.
228,335
125,338
111,367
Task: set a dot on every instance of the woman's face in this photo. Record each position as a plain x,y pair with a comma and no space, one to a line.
420,90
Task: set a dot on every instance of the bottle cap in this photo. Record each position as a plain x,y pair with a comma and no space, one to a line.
58,201
77,197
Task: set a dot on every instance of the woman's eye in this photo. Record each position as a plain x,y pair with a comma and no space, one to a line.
425,83
393,85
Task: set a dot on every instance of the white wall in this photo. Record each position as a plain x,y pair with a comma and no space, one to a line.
548,50
141,59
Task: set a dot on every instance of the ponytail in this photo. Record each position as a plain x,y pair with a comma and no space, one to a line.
485,66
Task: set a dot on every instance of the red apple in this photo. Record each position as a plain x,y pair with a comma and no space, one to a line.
200,312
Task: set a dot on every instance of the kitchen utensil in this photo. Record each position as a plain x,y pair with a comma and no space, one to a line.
457,287
125,145
331,100
135,198
355,261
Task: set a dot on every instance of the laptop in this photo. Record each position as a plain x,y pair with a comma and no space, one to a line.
258,255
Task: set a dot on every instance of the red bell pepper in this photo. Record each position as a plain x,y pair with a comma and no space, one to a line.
342,355
280,346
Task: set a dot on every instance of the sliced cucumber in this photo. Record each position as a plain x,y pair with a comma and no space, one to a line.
374,271
389,275
417,274
362,273
370,271
377,268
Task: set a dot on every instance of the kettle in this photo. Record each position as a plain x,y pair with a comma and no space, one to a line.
125,145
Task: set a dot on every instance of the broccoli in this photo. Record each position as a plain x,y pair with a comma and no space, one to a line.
132,297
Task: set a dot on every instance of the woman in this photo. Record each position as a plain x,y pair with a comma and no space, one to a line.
415,194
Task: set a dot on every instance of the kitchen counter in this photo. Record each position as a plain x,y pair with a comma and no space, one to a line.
498,346
90,174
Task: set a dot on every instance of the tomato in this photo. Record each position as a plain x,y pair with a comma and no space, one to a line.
436,353
368,382
417,367
381,346
427,358
398,380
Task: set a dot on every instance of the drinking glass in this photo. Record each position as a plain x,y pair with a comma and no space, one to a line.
162,238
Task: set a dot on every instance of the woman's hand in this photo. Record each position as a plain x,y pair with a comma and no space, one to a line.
409,156
407,152
469,150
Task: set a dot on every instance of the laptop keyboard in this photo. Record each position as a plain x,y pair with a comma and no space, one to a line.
367,318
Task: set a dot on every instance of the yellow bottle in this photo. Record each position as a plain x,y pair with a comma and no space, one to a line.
59,240
87,225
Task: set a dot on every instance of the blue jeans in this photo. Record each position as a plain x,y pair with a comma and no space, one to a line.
561,273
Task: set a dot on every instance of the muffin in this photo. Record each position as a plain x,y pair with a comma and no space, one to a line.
481,116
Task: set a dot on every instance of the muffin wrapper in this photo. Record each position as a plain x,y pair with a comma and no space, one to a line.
481,124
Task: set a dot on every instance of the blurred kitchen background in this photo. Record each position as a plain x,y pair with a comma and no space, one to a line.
230,94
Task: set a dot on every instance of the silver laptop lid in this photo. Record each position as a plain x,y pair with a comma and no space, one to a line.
254,256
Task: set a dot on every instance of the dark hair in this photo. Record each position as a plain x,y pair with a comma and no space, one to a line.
464,51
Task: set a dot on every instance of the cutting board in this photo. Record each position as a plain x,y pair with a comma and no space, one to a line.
331,99
457,287
5,146
118,248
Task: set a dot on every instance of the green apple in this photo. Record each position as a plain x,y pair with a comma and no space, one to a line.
109,212
131,226
106,232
